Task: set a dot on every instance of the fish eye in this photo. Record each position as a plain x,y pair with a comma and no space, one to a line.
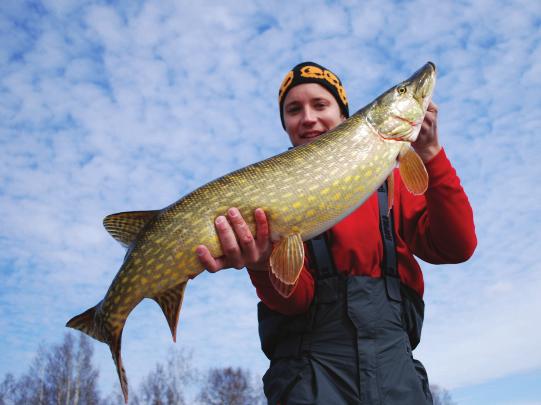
401,89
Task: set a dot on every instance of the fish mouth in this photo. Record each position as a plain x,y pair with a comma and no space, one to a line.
425,79
412,123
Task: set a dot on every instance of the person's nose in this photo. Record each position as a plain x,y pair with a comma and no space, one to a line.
308,117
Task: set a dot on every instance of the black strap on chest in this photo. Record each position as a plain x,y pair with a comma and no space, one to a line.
389,265
321,257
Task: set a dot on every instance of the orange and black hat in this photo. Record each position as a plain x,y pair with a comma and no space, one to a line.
310,72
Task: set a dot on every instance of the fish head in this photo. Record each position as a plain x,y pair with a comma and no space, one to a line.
399,112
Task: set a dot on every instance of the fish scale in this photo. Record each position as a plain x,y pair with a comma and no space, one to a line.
303,192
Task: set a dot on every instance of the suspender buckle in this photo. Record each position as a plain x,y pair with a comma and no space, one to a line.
392,285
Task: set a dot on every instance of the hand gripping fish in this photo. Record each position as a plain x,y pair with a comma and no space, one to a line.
303,192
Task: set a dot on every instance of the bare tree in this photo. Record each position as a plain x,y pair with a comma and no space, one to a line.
8,390
257,390
229,386
29,388
62,374
157,390
85,379
168,384
441,396
70,378
115,397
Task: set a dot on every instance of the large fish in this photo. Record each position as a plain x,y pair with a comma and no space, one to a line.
303,192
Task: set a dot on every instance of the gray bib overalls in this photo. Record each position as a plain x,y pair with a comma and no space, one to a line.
354,345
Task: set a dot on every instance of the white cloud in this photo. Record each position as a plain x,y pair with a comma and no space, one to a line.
108,109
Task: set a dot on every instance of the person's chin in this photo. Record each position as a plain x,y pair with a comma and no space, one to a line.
310,137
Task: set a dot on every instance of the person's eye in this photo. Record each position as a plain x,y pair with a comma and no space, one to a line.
293,109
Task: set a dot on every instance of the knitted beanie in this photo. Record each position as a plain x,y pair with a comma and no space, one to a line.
310,72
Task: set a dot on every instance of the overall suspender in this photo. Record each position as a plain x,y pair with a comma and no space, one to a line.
389,265
322,260
321,256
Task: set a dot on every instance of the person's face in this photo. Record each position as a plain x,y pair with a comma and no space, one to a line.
309,111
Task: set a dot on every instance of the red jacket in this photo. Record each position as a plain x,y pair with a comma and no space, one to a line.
437,227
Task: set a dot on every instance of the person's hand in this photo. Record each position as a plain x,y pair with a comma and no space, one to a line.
427,144
240,248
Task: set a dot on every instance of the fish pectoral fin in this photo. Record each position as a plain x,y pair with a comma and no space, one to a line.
286,263
284,289
413,171
125,226
170,301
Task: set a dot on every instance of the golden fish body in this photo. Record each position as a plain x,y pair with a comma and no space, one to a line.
306,190
303,192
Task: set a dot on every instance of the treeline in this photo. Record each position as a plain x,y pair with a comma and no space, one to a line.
64,374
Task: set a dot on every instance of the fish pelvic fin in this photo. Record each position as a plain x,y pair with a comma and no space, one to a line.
170,301
125,226
87,322
413,171
286,263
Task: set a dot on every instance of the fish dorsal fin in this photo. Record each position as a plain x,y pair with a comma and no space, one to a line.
125,226
170,301
413,171
286,263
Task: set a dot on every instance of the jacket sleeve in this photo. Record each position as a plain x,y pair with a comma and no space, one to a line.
296,303
438,226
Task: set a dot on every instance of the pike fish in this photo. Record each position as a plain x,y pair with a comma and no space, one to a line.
303,192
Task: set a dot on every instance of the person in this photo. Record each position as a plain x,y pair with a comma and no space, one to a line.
346,335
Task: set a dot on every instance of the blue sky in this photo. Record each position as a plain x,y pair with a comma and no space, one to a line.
115,106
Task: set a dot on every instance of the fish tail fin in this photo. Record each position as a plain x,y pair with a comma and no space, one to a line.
91,323
87,322
115,346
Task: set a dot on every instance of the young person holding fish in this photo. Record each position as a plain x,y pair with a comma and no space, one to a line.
345,332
